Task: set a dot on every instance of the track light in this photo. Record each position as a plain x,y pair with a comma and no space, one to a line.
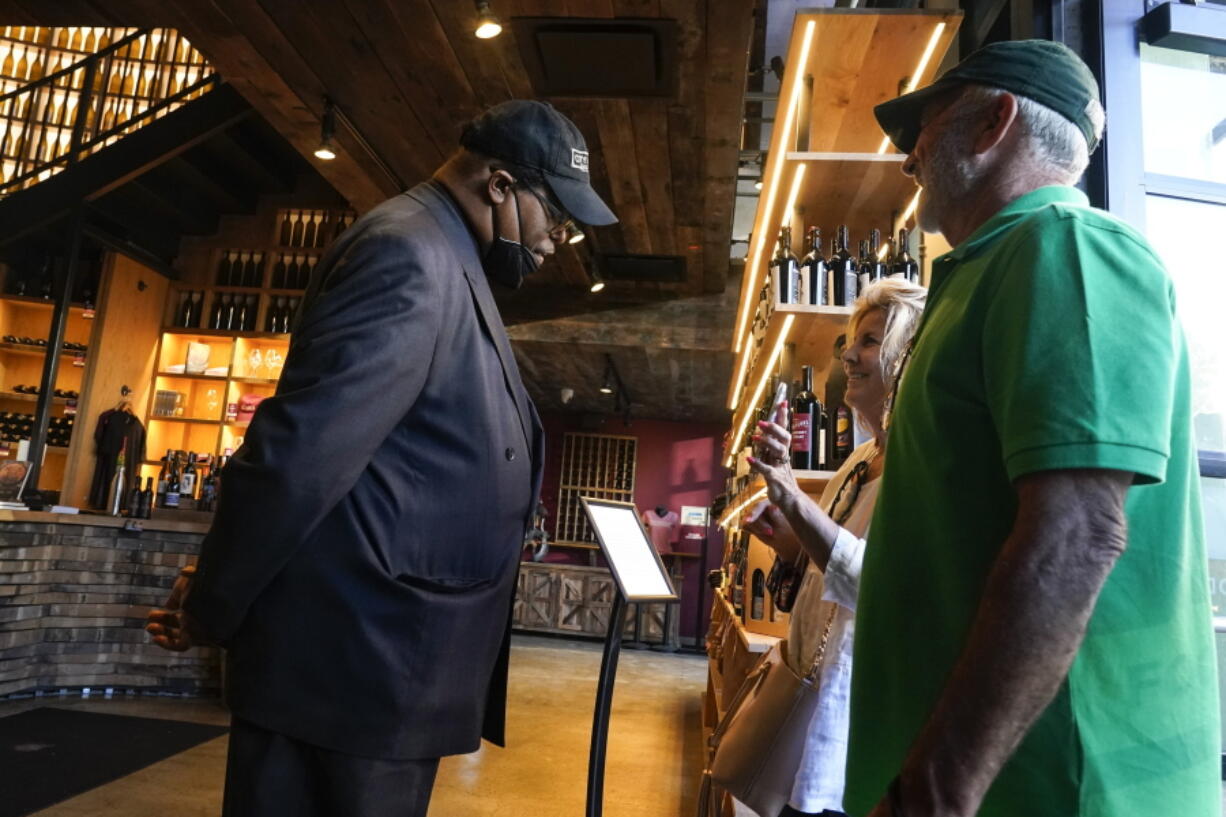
597,281
610,377
576,235
488,25
327,130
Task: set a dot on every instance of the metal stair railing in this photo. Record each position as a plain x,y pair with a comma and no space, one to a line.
54,122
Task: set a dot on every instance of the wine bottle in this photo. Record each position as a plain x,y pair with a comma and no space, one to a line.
164,477
255,274
278,273
272,320
904,266
145,504
134,501
215,317
843,438
757,609
240,320
291,272
321,234
231,311
185,310
787,270
285,229
864,268
300,264
223,269
299,228
308,232
843,271
836,386
806,423
813,268
874,255
171,498
116,497
187,483
308,267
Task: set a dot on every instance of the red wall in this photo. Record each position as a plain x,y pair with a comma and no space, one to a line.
676,464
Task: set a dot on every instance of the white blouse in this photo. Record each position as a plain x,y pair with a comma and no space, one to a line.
819,780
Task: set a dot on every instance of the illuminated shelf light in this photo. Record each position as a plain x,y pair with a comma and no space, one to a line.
906,214
732,514
925,58
757,393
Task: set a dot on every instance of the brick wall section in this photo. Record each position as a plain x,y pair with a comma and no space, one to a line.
73,599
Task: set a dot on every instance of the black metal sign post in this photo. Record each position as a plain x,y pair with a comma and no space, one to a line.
639,576
604,705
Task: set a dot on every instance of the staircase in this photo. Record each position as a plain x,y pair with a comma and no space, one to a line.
141,132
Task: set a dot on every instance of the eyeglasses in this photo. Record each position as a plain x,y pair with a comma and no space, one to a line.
564,225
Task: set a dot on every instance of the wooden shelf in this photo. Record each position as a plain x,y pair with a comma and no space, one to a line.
33,398
256,381
39,304
224,333
192,420
857,58
182,376
753,642
813,332
35,351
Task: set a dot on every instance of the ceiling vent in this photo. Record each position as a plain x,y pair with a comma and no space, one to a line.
658,268
568,56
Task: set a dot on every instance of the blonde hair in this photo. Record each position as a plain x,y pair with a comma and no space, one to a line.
903,303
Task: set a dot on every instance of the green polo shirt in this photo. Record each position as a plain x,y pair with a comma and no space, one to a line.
1049,342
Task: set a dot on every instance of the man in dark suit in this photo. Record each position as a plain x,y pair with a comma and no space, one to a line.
361,567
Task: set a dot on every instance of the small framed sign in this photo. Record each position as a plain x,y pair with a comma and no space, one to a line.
635,565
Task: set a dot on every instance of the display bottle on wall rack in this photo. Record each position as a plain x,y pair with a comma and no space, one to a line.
879,267
864,268
904,266
786,269
187,484
836,386
808,426
843,273
813,268
757,610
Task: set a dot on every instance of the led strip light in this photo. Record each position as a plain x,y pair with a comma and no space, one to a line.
919,72
732,514
768,211
757,394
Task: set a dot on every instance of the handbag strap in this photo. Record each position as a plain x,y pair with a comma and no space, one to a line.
816,666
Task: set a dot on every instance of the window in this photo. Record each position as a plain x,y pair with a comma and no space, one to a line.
1183,101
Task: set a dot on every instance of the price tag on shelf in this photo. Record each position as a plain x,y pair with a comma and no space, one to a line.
78,361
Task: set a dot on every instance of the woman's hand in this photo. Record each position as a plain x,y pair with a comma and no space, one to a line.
773,446
768,523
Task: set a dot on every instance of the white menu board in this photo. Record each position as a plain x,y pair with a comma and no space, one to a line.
637,568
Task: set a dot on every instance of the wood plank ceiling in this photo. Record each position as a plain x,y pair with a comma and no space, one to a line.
409,73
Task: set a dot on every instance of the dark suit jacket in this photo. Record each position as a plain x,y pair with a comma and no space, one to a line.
361,566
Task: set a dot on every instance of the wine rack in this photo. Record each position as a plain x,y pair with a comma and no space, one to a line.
66,92
598,466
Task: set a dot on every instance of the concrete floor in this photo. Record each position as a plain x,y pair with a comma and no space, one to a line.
653,766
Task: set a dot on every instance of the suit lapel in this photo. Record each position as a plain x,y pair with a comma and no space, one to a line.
462,241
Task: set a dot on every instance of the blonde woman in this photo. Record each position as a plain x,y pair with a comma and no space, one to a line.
822,543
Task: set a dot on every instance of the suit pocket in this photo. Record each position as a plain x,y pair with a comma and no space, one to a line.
441,585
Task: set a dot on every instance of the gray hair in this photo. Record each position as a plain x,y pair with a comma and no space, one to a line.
903,304
1057,146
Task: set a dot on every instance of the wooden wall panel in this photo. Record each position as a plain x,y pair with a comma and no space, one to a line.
122,353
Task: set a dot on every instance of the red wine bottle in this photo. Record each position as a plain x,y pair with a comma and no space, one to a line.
806,423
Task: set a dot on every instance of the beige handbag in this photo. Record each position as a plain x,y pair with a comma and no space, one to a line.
759,743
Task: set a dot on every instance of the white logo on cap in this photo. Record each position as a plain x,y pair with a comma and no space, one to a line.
578,159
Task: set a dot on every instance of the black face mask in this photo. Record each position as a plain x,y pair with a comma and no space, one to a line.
509,262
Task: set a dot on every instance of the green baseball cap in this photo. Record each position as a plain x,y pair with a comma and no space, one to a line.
1048,72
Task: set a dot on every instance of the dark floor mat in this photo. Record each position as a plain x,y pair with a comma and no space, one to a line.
48,755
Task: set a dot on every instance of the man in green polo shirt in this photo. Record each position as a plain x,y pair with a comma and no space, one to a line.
1033,634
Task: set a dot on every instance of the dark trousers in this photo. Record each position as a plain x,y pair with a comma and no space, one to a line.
271,775
788,811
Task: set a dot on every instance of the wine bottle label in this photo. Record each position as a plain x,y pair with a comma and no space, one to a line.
801,430
842,439
188,485
172,499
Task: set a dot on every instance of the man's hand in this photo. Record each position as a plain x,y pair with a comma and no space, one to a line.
171,627
768,523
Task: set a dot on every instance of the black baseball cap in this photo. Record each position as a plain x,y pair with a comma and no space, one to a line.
535,135
1048,72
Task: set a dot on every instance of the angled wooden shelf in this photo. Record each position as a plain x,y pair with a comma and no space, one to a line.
811,332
